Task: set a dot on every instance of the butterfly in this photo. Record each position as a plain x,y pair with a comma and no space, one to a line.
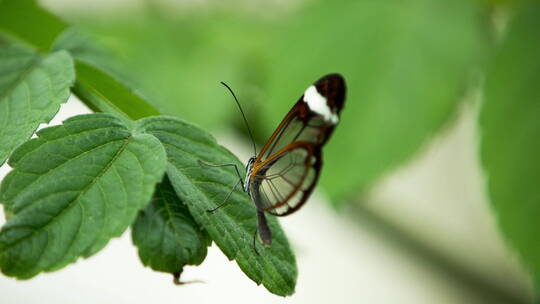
280,178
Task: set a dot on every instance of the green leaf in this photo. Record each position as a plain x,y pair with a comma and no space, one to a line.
72,189
166,234
510,128
29,22
32,87
233,226
103,93
98,85
406,64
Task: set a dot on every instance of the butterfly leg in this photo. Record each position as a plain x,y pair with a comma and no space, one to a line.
205,164
226,200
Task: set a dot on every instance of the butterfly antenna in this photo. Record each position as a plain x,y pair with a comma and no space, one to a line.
243,115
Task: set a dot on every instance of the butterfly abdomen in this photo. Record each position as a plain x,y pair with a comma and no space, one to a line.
264,230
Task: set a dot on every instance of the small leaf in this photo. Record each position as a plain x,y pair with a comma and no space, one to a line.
233,226
166,234
72,189
510,128
32,88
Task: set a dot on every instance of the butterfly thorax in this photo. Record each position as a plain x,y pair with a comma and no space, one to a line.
249,168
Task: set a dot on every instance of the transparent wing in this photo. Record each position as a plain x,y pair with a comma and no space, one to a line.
288,167
293,130
282,184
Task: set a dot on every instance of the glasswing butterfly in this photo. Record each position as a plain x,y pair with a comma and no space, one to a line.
280,178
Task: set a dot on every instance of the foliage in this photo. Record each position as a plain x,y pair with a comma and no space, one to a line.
233,226
32,88
72,189
178,241
407,64
82,183
404,75
510,127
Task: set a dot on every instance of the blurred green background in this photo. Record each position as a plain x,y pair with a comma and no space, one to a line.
413,67
408,64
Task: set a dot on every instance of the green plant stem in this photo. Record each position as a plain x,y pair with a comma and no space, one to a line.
102,93
97,89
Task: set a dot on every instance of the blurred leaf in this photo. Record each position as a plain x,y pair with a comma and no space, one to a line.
510,126
166,234
178,62
83,47
102,93
32,87
72,189
95,84
233,226
406,64
26,20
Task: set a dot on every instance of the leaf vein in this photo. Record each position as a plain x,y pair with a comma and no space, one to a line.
76,199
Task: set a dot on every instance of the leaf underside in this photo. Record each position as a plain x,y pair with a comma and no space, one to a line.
166,234
72,189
